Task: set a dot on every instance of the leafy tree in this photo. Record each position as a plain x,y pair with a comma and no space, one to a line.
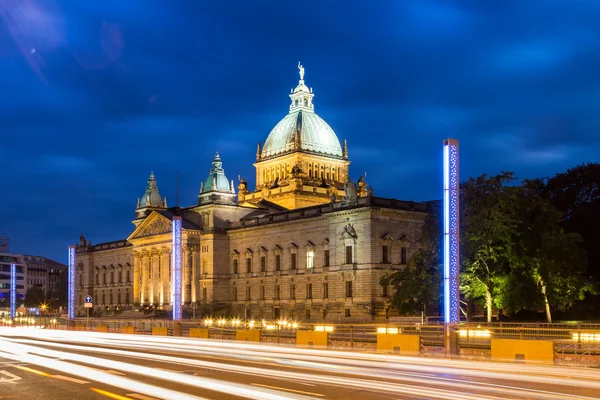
418,284
545,255
34,297
487,226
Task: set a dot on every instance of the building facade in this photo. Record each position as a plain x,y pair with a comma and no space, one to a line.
307,243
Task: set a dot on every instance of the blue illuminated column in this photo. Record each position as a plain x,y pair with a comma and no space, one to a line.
71,292
451,233
13,290
176,282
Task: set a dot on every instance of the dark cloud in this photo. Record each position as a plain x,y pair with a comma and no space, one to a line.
95,95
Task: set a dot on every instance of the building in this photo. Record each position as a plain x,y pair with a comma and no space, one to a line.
32,271
307,243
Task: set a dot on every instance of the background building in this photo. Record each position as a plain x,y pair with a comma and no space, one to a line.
307,243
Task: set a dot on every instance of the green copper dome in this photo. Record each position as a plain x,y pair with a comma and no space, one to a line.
151,197
216,181
314,134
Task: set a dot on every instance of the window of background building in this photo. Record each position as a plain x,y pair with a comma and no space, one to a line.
326,258
293,261
348,288
326,290
403,255
348,254
310,259
263,264
385,258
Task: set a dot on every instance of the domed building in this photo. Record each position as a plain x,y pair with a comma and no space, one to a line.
306,244
302,162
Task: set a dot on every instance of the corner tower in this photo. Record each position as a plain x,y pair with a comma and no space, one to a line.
302,162
216,189
150,201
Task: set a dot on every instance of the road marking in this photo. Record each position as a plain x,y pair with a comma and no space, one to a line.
68,378
110,394
141,396
12,378
33,371
288,390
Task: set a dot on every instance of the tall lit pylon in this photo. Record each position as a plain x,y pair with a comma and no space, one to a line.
13,290
451,233
71,282
176,281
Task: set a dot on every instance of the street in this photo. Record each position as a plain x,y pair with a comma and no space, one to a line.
55,364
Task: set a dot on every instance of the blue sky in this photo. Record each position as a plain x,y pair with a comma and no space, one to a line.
96,94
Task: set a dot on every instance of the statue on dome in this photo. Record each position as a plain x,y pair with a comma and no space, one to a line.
301,68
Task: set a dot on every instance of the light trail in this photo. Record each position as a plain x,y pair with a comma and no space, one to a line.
371,366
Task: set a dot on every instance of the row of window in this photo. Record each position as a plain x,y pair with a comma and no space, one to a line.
309,292
109,277
385,255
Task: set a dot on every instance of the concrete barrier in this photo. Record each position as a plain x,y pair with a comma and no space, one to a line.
250,335
160,331
312,338
523,351
399,344
101,328
128,329
201,333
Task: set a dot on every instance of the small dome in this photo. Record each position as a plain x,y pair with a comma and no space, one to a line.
315,135
216,181
151,197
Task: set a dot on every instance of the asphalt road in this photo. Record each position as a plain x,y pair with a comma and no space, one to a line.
40,364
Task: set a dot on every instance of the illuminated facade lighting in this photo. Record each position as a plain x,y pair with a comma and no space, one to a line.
176,270
13,290
71,291
451,233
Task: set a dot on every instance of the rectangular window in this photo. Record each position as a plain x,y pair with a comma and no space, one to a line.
234,294
293,261
104,278
235,266
128,277
248,265
263,264
277,313
309,291
310,259
307,313
348,288
348,254
248,292
277,293
403,255
385,258
97,279
293,292
204,293
262,292
120,276
347,313
326,258
278,262
326,290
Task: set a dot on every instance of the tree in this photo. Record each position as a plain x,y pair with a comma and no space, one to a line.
545,255
418,284
34,297
486,228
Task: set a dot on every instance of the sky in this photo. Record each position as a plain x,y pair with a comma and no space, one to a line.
94,95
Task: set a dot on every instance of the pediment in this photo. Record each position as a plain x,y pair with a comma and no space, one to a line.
154,224
405,239
387,236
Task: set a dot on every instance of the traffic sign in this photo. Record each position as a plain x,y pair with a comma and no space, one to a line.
87,299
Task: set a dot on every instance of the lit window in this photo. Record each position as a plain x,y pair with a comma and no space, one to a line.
310,259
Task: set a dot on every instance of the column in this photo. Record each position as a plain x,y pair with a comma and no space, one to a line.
144,267
194,277
136,279
187,282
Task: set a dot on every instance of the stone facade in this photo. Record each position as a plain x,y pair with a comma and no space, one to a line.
306,244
